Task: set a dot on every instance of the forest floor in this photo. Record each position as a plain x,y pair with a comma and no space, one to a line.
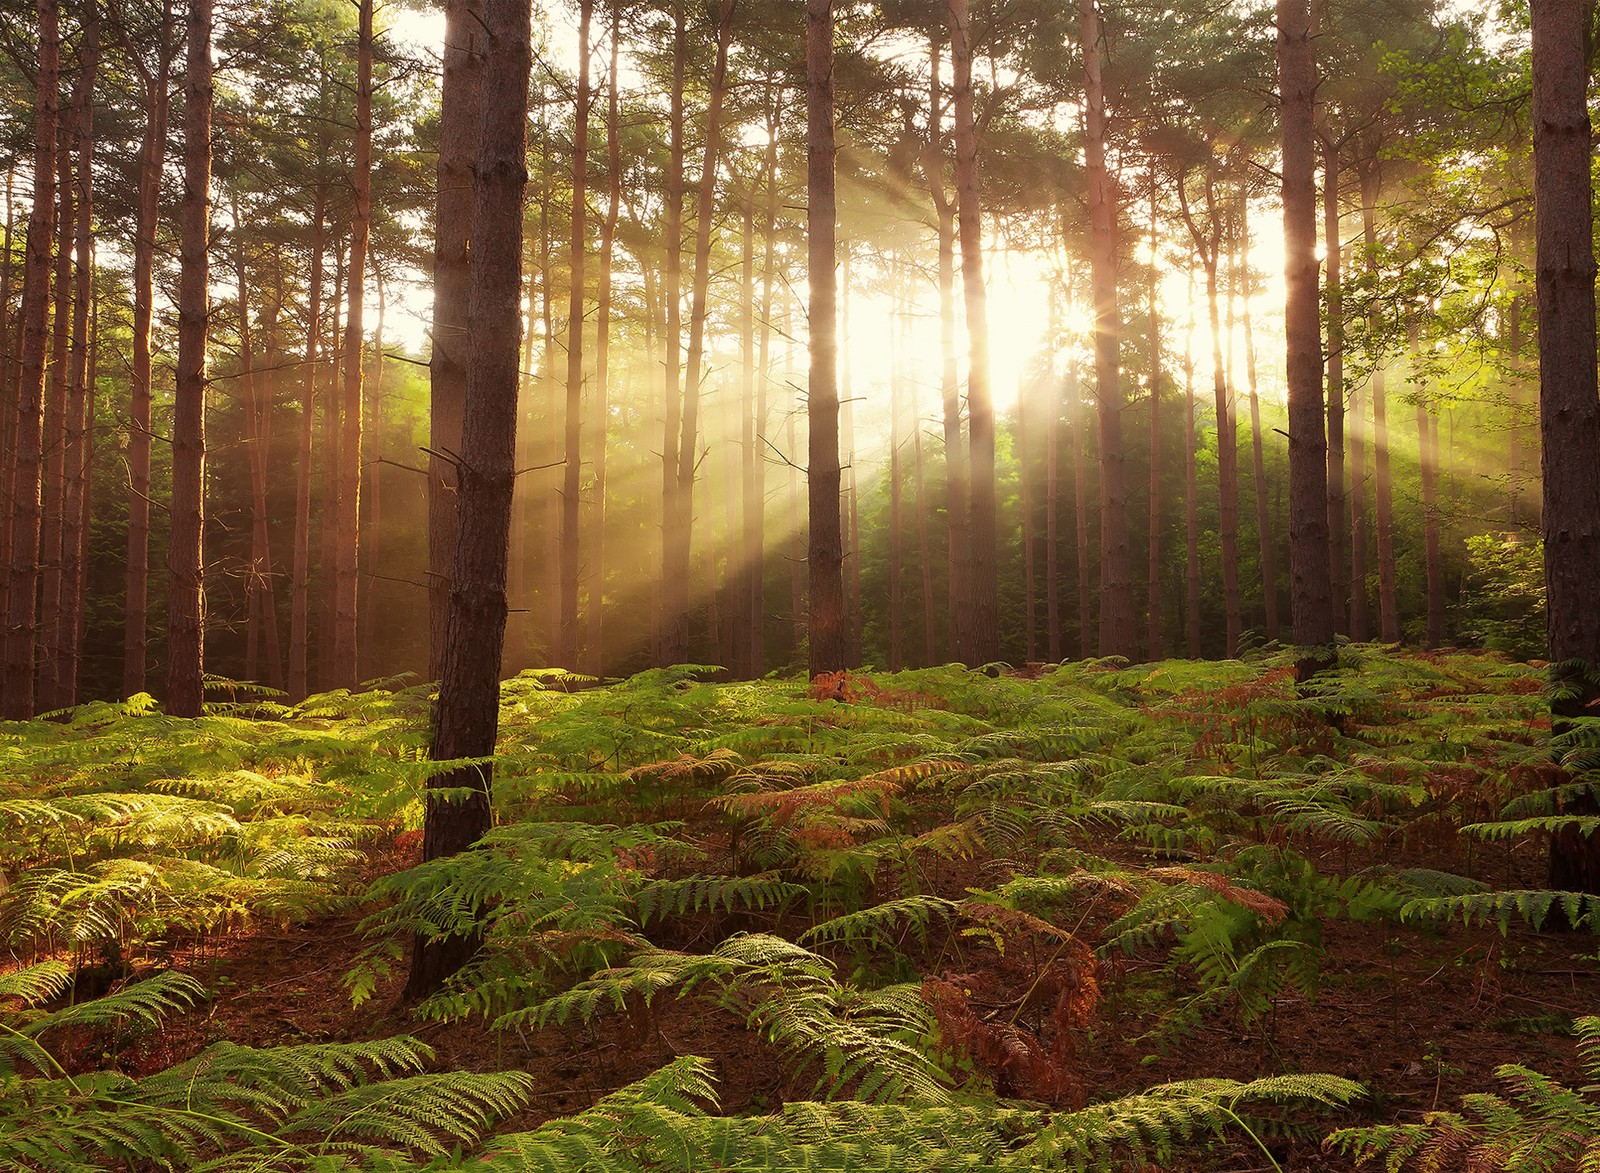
1127,877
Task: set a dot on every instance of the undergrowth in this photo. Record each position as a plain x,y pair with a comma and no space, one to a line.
917,892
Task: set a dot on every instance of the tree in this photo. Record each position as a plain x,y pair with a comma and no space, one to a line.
825,554
458,143
24,577
186,593
1569,405
469,690
1311,596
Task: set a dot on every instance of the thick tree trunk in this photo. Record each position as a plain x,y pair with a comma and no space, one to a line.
1332,247
1118,633
983,630
824,557
152,155
1383,499
299,589
344,672
1310,593
566,649
185,592
73,533
469,692
458,151
594,639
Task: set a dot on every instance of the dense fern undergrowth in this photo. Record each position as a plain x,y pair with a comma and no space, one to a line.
920,894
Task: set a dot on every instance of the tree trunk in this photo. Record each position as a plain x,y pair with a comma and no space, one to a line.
328,517
679,532
1428,459
957,491
1052,492
1335,308
983,628
1269,560
299,609
1310,593
371,528
749,499
1191,491
73,534
826,629
672,618
469,691
1117,629
1383,500
1153,641
259,600
458,151
850,513
346,613
54,489
185,593
566,649
594,649
1080,508
758,516
152,154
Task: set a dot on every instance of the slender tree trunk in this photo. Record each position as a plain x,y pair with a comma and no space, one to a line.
1191,491
185,594
595,636
1117,630
469,692
679,532
1428,459
983,629
257,575
758,516
923,506
672,618
1153,640
850,514
826,629
8,404
152,155
897,394
73,544
1383,501
372,531
346,573
331,445
79,603
566,651
1030,608
1080,509
750,501
1309,574
458,151
1052,493
299,609
54,490
1268,547
1332,247
957,481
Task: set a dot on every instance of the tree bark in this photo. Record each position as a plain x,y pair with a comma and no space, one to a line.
826,628
1310,593
53,496
299,602
185,592
1428,459
1268,547
345,662
1153,641
152,155
1383,498
566,649
469,692
594,649
1080,508
1118,634
458,150
73,530
672,618
372,472
1191,491
983,628
1335,310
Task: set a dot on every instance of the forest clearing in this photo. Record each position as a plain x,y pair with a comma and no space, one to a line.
786,926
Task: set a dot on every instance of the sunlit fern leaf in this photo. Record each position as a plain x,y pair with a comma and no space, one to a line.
882,923
661,898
